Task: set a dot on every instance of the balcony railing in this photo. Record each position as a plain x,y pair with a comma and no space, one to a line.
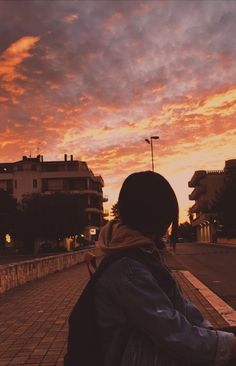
106,213
105,198
215,172
197,192
199,174
199,206
93,209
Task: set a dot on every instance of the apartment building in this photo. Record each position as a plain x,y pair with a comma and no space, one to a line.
206,184
34,175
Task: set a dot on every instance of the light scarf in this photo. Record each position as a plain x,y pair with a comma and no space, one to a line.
115,236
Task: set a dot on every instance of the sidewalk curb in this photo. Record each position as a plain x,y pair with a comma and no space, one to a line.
227,313
219,245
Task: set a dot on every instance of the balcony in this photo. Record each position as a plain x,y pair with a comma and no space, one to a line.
6,168
204,218
104,198
197,176
199,206
198,191
106,213
7,185
94,210
91,192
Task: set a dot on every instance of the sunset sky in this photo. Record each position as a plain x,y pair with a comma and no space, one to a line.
95,78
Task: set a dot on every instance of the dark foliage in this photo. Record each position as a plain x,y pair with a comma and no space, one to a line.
225,207
8,210
50,217
115,211
186,232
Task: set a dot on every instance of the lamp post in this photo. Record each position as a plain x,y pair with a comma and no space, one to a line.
150,142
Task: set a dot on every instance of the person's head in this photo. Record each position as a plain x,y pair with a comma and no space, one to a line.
147,203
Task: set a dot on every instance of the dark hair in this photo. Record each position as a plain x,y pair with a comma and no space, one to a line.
148,204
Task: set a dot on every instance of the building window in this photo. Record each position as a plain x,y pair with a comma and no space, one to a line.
55,184
76,184
53,167
3,185
35,183
15,184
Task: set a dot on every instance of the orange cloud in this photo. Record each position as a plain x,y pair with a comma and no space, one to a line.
221,103
10,60
14,56
9,138
3,99
71,18
97,89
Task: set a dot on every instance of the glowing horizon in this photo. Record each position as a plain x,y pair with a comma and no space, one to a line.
94,79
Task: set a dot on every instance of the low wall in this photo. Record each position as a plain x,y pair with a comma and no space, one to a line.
16,274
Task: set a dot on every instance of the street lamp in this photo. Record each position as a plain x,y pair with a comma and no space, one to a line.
150,142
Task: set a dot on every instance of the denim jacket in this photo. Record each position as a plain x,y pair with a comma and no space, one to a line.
143,305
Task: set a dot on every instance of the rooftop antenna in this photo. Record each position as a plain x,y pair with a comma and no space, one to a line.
38,148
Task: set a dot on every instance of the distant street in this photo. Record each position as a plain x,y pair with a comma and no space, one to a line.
212,265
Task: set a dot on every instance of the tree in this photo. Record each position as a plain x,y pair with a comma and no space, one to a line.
50,217
115,211
8,209
187,232
225,207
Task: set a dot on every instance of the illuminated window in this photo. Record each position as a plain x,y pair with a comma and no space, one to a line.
8,238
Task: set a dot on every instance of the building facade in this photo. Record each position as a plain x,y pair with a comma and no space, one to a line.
34,175
206,184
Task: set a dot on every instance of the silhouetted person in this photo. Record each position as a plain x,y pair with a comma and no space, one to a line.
143,318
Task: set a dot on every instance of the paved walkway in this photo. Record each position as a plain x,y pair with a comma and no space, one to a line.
33,317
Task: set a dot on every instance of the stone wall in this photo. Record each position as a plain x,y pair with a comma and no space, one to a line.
16,274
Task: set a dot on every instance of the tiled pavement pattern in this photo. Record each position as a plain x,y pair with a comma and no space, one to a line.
33,317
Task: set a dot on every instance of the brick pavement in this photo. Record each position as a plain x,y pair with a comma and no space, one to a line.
33,317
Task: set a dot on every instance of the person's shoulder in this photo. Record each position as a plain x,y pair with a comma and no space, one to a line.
124,268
